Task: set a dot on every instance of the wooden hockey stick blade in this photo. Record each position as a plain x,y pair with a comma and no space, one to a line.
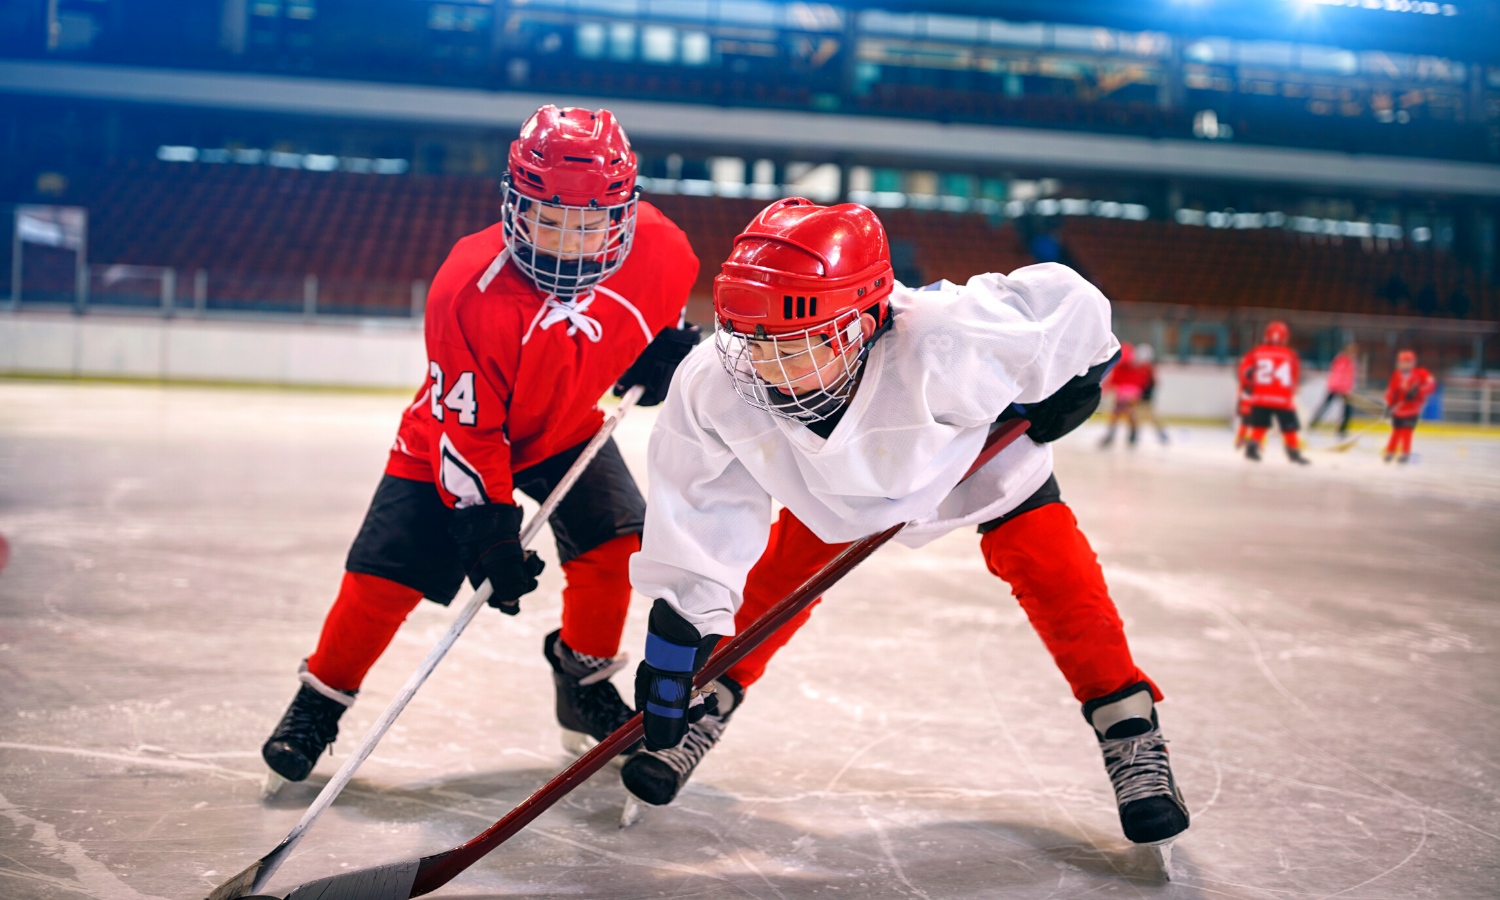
1348,443
435,871
254,876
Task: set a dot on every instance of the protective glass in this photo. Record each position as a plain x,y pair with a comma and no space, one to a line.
566,250
763,369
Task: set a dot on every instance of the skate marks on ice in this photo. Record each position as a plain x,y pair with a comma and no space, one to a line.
1352,788
47,861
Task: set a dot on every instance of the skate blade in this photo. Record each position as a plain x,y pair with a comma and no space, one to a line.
1162,851
632,811
576,744
272,785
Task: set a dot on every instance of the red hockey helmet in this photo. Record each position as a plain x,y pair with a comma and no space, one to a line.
570,198
789,300
1406,359
1278,333
1127,353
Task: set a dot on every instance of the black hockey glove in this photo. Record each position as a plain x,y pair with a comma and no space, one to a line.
664,682
1412,392
1065,410
489,546
654,367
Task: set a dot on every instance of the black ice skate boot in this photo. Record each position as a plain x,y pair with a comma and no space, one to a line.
1295,455
1252,451
1152,810
589,709
311,723
655,776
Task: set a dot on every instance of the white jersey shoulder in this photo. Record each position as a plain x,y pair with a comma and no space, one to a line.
956,357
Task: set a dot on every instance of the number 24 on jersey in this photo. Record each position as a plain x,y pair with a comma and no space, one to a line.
1266,372
460,398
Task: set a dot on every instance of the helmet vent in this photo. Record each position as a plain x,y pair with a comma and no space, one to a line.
532,176
582,159
617,185
798,307
617,160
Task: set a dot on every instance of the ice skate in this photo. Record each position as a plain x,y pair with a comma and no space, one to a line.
1107,440
1403,459
1252,451
310,724
654,777
589,708
1388,456
1152,811
1295,455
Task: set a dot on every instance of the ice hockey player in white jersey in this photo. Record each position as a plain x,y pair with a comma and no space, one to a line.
858,404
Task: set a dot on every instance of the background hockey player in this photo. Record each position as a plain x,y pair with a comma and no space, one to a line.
1145,357
528,323
1132,379
1269,376
859,404
1341,376
1409,388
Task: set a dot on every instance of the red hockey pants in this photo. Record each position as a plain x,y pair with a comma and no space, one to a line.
370,609
1047,561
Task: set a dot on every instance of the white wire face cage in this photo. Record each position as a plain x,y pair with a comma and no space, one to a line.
566,250
746,357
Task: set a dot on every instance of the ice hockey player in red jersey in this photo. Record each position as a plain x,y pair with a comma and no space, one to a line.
1269,376
859,404
1409,389
580,286
1133,380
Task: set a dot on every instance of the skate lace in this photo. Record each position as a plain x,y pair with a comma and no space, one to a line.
701,737
1138,766
307,726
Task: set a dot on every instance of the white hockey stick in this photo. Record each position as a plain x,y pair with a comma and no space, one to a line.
259,872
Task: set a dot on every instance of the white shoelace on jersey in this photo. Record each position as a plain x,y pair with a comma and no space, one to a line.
1138,766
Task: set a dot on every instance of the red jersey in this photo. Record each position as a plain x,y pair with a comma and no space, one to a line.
515,375
1133,375
1407,393
1271,373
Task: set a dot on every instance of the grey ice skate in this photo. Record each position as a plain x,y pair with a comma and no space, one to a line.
654,777
1152,811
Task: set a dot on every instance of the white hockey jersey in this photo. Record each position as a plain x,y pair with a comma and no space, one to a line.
954,359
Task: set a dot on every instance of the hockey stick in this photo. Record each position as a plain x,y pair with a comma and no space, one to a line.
1348,443
416,877
260,871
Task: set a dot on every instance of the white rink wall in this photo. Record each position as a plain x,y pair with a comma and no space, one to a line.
372,353
1208,391
363,353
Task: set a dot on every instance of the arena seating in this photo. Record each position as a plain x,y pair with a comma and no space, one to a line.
1159,262
367,237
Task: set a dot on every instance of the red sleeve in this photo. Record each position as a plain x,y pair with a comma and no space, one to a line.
472,354
1391,391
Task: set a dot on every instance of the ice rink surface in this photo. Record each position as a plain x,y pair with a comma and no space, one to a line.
1326,637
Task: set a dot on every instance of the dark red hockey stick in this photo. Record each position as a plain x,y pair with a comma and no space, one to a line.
414,878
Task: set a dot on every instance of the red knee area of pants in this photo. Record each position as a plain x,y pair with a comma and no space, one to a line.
597,596
1292,441
1257,435
1400,441
793,554
359,627
1055,575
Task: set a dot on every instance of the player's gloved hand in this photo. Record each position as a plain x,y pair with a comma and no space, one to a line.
1411,393
654,367
664,692
489,546
1066,409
